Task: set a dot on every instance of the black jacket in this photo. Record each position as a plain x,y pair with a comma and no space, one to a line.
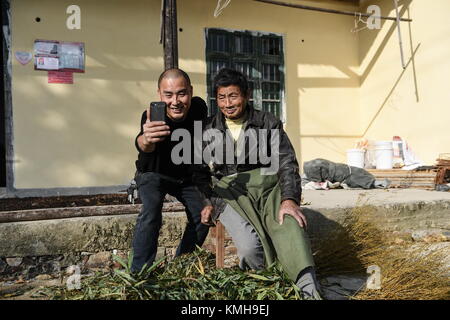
160,161
288,172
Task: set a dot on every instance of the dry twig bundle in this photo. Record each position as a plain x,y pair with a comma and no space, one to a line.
407,272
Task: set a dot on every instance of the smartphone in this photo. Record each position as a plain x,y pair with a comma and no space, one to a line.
158,111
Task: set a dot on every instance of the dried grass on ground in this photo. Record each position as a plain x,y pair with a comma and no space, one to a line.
407,272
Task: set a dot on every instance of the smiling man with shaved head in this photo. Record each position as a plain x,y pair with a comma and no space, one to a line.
157,174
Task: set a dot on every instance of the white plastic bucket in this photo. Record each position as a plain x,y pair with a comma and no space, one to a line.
384,155
383,144
355,157
369,160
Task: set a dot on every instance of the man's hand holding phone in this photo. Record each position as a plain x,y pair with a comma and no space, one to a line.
153,132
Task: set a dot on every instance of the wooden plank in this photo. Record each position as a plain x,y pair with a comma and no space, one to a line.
220,244
403,174
442,174
77,212
425,178
407,179
400,171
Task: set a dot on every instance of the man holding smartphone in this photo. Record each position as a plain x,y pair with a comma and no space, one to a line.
157,175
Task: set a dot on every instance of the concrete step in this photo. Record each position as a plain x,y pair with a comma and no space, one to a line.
401,211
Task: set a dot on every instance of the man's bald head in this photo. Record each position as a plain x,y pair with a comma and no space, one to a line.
174,74
174,88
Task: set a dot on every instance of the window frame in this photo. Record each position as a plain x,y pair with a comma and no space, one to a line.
257,58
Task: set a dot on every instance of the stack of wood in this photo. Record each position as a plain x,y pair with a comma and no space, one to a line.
443,165
423,179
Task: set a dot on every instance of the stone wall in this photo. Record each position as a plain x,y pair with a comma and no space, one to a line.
42,246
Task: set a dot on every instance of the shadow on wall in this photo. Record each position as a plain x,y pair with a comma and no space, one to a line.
328,84
408,54
90,139
351,79
371,35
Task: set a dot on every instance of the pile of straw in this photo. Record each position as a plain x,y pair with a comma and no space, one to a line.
408,272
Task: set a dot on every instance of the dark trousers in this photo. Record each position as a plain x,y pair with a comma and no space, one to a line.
152,188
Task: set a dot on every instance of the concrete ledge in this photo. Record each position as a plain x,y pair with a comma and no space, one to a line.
90,234
321,199
403,211
400,218
396,211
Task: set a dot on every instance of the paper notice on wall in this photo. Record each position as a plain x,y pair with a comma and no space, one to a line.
59,55
46,47
47,63
60,77
72,56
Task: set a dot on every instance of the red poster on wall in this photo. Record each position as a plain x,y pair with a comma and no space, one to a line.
60,77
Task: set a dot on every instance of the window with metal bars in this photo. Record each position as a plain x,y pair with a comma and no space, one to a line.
258,55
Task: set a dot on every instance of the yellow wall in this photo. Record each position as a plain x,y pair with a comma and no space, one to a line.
322,82
82,134
411,103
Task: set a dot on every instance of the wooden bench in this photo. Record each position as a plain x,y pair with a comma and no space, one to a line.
220,244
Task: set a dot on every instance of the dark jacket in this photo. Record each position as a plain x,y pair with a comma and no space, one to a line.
160,161
288,172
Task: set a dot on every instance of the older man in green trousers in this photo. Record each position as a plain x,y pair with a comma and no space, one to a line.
258,201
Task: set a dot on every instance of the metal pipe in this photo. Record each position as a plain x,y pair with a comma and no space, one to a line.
399,34
348,13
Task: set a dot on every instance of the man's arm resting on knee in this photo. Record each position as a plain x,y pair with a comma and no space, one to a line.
290,207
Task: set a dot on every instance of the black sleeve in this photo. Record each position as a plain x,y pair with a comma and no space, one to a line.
288,173
141,131
201,177
201,174
143,158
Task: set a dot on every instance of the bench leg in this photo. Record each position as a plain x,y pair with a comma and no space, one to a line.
220,245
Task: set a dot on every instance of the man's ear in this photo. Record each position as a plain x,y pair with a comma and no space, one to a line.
192,91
